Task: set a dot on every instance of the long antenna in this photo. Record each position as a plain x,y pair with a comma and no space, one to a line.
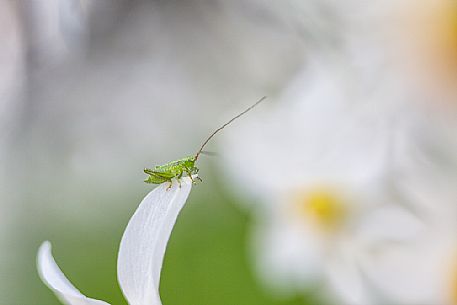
223,126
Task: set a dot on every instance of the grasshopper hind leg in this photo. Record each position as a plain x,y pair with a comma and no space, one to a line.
158,178
154,179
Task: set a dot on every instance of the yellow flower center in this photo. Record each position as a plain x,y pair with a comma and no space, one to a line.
324,208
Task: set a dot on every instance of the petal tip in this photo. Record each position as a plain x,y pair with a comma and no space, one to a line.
43,251
45,246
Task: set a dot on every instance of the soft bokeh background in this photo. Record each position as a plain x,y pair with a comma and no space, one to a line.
91,92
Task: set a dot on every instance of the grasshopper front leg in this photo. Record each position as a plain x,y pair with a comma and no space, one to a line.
189,173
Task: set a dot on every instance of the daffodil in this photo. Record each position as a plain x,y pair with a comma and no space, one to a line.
141,251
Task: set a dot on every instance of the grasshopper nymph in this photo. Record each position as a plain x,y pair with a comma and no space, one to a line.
185,166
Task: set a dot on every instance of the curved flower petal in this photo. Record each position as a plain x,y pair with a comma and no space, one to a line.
145,239
389,224
53,277
417,272
346,280
288,256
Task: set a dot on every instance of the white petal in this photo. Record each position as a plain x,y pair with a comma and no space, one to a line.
389,224
288,257
418,272
145,239
53,277
346,280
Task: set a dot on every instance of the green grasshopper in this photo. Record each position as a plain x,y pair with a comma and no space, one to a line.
185,166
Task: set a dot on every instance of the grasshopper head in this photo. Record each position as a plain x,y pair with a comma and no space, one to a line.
189,162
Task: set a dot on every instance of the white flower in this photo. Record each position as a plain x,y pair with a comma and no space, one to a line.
141,251
323,165
328,235
423,268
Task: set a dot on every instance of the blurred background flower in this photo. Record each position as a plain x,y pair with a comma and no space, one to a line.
342,182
